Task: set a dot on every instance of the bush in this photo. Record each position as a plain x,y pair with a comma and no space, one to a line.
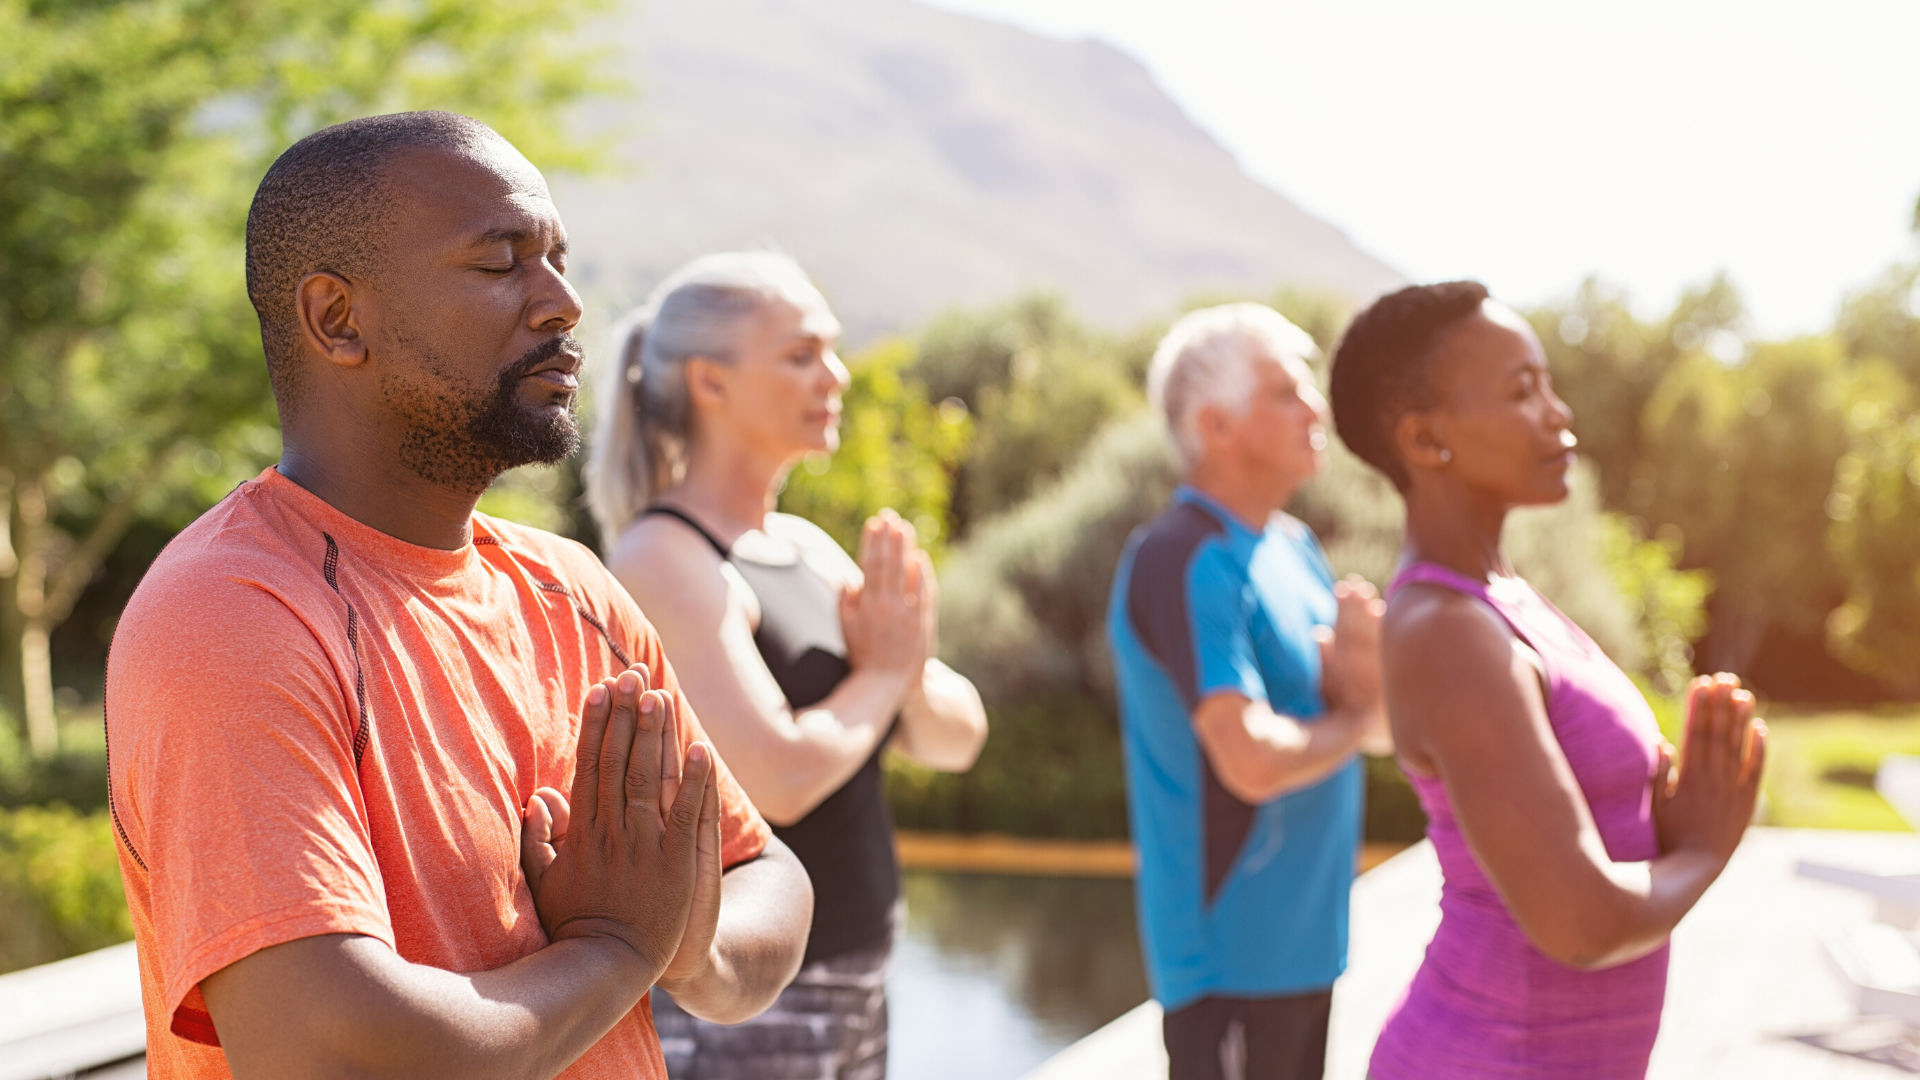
1050,768
59,885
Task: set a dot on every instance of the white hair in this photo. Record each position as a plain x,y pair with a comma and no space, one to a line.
1207,359
640,444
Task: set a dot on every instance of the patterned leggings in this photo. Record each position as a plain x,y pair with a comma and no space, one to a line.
830,1024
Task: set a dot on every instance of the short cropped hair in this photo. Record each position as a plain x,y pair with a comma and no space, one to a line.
1207,359
1382,367
324,206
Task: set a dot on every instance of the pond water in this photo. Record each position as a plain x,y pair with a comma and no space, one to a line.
993,974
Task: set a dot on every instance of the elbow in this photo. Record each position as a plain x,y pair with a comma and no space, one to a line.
782,809
1590,942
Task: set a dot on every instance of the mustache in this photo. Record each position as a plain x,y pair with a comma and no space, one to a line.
546,352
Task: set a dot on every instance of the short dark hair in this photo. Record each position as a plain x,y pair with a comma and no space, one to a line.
1380,371
324,205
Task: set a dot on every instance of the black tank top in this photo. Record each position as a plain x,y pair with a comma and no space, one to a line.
846,842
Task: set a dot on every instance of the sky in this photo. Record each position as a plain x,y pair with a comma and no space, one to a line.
1650,143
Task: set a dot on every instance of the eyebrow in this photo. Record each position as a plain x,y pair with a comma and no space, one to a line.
513,235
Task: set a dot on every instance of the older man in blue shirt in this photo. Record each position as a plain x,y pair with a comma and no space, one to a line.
1248,680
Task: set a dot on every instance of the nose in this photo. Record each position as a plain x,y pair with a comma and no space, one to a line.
1315,400
836,369
555,305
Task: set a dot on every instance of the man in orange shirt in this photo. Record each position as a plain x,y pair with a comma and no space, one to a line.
401,789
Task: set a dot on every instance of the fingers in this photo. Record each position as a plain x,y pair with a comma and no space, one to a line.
1756,755
929,581
617,752
1728,725
593,732
683,820
642,786
669,750
1693,748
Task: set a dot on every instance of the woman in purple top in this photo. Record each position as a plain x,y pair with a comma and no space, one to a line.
1570,841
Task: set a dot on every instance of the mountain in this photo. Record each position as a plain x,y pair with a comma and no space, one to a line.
915,159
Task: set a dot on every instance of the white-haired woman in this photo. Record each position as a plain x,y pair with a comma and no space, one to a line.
803,664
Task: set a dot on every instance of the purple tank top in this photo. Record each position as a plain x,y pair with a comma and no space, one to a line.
1485,1002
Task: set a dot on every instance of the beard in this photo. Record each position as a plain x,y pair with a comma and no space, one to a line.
465,441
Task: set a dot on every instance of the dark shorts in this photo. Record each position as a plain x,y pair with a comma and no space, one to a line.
1221,1038
829,1024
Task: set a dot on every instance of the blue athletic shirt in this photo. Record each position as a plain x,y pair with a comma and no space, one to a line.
1235,900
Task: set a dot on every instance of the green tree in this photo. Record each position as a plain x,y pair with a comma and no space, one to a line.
1039,384
132,133
1607,363
1741,465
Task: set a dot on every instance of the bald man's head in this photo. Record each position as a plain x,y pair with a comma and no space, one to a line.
326,205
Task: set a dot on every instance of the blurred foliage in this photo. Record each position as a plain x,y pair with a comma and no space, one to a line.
896,450
1051,767
1038,383
131,136
1821,766
1784,470
59,885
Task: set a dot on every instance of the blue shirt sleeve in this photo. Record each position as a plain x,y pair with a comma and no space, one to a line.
1220,610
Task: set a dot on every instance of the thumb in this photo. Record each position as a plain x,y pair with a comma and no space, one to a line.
1323,636
1665,779
539,829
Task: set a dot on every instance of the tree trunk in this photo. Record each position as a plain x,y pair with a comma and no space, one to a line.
36,672
44,596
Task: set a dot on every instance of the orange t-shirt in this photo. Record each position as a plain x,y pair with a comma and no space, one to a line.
316,728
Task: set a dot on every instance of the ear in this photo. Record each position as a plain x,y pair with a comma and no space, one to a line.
325,302
706,382
1420,442
1214,424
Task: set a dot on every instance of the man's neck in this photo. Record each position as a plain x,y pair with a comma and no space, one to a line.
387,497
1252,503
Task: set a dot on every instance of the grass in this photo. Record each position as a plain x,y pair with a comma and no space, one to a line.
1820,768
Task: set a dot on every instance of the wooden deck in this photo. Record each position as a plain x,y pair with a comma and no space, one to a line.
1751,995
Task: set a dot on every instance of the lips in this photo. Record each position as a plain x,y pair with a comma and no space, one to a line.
557,362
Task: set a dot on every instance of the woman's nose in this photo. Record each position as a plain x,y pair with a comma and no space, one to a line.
836,370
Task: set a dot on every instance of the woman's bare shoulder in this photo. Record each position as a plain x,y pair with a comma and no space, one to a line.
662,559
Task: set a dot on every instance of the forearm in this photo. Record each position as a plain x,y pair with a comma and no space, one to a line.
1639,908
346,1005
766,910
824,746
943,724
1286,754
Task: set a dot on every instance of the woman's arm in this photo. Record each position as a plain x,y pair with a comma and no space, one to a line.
788,762
1466,703
943,725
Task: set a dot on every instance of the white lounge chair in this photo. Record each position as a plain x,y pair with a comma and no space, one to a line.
1879,960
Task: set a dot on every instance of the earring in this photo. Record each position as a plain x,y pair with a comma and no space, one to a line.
1446,455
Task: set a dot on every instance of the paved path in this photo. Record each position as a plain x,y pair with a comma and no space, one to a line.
1749,996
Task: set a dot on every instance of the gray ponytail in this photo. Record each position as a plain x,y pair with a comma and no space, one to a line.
640,444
